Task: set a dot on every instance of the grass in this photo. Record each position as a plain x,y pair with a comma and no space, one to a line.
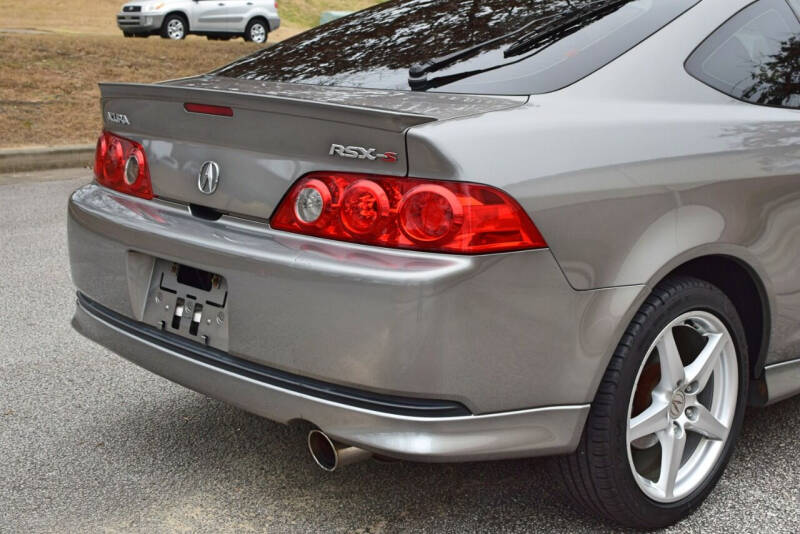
98,17
305,13
48,82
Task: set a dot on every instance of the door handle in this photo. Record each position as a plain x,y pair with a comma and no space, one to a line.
249,3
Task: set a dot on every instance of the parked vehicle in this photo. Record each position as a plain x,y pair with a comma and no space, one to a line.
456,231
216,19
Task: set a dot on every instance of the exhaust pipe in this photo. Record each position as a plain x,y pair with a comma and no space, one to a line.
330,455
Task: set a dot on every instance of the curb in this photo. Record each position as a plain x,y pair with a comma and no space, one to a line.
45,158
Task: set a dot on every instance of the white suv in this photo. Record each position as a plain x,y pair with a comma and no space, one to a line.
216,19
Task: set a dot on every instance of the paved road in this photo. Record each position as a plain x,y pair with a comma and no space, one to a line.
89,442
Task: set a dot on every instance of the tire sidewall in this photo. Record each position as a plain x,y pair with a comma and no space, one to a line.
165,30
248,31
700,298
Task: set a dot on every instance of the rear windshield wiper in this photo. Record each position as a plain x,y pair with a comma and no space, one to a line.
417,74
550,33
563,23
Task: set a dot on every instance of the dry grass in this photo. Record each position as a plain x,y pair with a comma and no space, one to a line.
48,83
79,16
98,17
305,13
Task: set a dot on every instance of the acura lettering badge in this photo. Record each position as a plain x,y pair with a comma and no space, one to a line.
208,179
118,118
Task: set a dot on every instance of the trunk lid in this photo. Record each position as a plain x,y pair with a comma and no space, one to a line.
278,132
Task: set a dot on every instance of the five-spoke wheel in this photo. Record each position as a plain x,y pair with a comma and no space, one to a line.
675,441
666,416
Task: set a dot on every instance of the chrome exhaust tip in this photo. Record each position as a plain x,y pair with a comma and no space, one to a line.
330,455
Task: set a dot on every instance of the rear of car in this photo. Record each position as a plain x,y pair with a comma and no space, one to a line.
202,269
353,227
254,234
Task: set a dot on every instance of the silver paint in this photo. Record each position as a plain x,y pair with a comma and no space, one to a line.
389,321
783,380
640,168
628,174
516,434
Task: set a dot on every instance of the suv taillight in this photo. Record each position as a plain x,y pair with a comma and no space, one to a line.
120,164
410,213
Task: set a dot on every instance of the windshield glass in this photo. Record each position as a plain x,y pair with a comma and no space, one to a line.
375,48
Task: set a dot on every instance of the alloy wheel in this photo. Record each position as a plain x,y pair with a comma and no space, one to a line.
175,29
683,406
258,33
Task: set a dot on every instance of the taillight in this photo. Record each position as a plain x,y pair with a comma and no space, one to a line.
120,164
455,217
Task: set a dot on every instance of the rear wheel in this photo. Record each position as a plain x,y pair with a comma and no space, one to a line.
256,31
666,417
174,27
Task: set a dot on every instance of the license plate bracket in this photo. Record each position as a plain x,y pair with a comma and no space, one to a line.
190,302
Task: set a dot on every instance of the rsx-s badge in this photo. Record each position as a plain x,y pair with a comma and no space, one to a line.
358,152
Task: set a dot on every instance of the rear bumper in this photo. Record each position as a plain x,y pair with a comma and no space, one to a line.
503,335
139,22
274,22
542,431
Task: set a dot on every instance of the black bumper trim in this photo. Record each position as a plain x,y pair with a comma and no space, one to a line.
341,394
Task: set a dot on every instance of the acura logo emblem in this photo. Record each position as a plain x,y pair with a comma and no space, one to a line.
677,404
208,179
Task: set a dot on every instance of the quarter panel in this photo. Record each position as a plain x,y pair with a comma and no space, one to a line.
639,165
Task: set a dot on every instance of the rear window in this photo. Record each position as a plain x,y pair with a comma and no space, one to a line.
755,56
566,40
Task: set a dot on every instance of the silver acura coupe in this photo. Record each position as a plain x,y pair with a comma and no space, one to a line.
458,230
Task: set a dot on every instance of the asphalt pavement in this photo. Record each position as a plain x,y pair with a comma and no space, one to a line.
89,442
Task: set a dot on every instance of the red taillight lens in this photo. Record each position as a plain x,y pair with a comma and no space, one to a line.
364,208
120,164
409,213
430,213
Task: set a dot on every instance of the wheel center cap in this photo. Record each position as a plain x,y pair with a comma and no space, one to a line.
677,404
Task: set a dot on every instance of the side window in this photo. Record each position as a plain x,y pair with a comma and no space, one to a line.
755,55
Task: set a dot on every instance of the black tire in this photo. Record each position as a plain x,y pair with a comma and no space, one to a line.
251,27
598,475
127,34
174,18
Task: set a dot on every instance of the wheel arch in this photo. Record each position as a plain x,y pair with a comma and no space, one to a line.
181,14
739,275
262,18
744,287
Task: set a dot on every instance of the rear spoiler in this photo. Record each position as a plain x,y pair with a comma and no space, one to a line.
309,101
